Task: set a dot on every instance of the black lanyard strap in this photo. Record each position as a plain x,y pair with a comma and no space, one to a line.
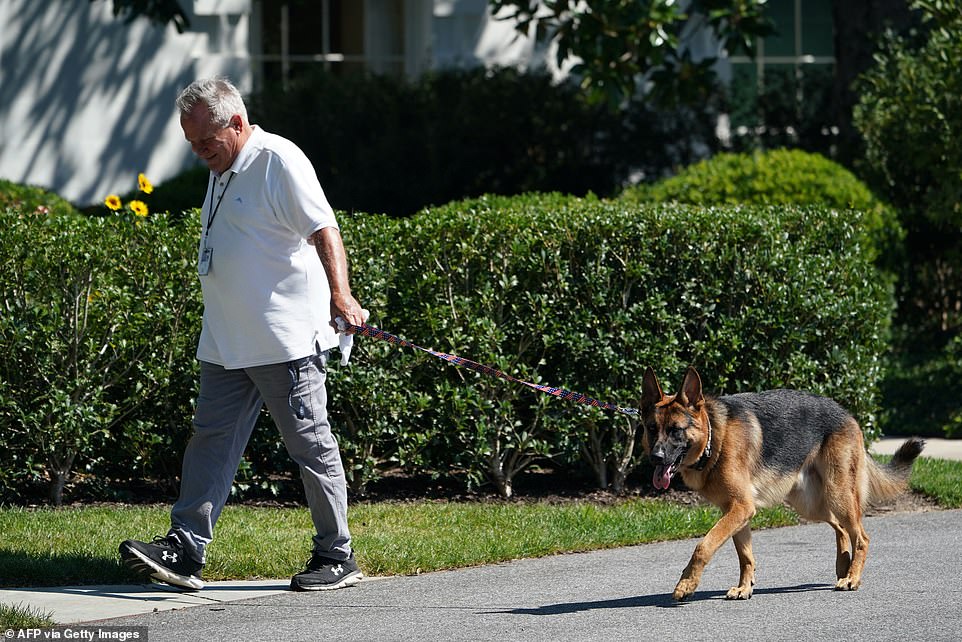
213,211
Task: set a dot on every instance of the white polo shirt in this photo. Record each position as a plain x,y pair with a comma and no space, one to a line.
266,295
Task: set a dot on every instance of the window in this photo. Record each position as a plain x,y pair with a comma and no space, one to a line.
782,95
340,36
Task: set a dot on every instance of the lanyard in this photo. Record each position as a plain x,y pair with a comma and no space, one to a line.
213,211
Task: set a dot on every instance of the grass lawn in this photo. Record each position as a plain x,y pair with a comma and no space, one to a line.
78,545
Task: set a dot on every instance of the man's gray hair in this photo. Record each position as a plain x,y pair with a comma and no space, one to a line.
219,94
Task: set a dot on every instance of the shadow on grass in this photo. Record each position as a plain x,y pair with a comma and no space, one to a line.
19,570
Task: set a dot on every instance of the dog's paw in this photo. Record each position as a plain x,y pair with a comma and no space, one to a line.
684,589
739,593
847,584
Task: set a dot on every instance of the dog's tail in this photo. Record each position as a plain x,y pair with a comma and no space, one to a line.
890,480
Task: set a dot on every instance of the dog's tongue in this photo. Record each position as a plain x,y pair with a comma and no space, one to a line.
662,477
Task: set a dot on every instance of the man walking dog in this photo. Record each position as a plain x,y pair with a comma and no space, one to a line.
274,273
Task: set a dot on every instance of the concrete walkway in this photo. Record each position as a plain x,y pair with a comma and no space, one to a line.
76,604
935,448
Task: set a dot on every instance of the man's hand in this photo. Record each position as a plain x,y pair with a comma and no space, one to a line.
330,248
349,310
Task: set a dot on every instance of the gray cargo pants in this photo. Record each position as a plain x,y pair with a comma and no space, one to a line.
227,409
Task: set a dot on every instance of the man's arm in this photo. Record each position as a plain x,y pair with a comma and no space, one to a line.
330,248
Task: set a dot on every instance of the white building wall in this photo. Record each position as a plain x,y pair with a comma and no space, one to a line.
86,99
465,34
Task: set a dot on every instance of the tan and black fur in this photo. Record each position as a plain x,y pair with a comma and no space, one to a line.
753,450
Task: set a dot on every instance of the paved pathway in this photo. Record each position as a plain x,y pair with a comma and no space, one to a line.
934,447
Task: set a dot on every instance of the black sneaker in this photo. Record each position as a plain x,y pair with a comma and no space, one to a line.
326,574
164,560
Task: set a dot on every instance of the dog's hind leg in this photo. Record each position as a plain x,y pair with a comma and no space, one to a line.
746,563
844,487
843,556
852,525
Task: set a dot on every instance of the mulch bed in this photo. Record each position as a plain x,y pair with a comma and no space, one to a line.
537,486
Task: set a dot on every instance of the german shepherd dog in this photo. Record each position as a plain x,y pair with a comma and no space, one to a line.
759,449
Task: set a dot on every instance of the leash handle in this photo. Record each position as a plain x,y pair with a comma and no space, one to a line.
567,395
345,341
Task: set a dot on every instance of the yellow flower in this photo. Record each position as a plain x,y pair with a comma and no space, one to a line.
113,202
138,207
145,185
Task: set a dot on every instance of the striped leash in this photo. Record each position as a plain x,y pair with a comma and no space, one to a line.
461,362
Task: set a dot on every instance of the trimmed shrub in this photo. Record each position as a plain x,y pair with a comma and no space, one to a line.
583,294
378,415
32,199
780,177
102,313
98,312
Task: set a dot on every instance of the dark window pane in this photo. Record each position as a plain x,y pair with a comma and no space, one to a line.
306,28
817,28
743,96
782,42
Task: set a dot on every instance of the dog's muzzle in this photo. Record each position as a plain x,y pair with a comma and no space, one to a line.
664,469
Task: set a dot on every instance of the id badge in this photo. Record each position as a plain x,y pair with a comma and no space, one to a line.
203,260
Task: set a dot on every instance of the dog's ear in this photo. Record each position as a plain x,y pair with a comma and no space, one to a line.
690,393
650,389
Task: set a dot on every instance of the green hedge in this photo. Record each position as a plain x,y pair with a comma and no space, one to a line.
30,198
780,177
101,315
584,294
